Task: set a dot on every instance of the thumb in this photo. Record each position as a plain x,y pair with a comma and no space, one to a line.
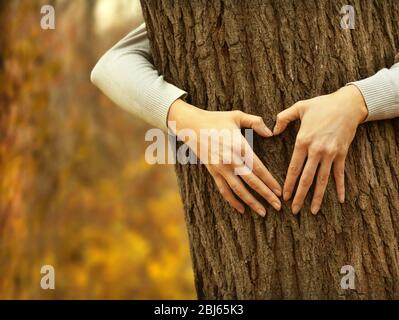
256,123
284,118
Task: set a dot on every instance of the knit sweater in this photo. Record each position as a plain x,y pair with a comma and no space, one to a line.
126,74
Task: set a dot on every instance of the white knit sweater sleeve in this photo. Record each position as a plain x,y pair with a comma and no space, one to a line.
381,94
127,76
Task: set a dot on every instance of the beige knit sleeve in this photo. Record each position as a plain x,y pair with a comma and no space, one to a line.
127,76
381,94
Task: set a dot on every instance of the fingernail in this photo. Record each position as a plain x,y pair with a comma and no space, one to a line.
268,132
241,210
276,205
295,209
286,196
342,198
275,130
261,212
315,209
277,192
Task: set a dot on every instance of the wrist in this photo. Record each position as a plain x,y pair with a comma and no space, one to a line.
356,100
181,115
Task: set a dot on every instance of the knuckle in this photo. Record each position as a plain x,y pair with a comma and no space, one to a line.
330,151
306,181
302,142
258,120
251,203
256,168
323,178
252,182
237,189
237,113
279,117
341,152
255,187
316,149
270,197
339,173
299,103
224,192
294,169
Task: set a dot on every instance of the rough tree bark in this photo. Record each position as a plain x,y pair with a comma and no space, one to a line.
261,57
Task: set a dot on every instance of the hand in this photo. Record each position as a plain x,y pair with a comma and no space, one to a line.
328,126
229,184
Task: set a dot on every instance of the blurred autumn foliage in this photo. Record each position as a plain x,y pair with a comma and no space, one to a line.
75,191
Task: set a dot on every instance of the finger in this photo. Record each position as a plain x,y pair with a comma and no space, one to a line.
253,162
285,117
256,123
305,182
294,170
239,189
339,175
256,184
321,184
227,194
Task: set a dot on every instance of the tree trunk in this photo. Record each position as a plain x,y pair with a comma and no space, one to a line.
261,57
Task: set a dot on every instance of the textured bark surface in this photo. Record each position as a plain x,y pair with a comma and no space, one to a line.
261,57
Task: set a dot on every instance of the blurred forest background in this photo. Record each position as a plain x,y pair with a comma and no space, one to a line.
75,191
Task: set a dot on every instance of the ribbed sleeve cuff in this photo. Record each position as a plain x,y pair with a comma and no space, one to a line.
380,95
160,98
